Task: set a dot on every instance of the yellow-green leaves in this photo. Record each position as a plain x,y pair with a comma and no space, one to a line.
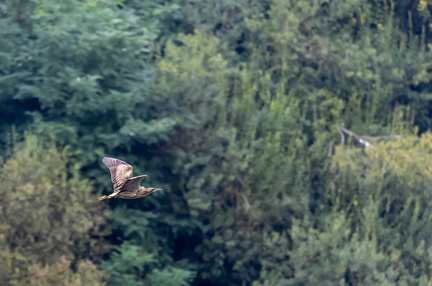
48,216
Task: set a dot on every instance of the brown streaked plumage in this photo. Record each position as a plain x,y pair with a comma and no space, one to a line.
125,186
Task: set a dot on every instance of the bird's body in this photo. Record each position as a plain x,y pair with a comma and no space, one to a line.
125,186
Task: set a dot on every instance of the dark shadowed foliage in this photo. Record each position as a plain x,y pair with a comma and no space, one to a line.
235,110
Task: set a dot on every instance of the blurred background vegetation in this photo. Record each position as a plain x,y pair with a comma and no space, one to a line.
236,110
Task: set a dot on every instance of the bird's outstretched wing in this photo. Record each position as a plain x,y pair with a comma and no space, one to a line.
132,185
120,171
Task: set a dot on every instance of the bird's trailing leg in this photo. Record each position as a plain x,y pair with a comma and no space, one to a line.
105,197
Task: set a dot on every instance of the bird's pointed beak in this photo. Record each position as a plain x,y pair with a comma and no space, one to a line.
154,190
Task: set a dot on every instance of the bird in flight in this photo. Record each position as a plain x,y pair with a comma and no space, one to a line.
125,186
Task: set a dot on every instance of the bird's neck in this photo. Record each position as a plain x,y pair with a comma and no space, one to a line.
142,192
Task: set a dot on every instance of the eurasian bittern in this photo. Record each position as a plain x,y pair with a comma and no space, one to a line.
125,186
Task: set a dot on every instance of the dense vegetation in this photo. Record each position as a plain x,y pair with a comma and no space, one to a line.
237,110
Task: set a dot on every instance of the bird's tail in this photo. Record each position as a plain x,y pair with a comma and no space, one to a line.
104,198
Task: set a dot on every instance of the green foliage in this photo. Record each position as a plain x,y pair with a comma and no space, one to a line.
133,223
231,107
126,265
170,277
380,226
377,226
77,65
265,118
337,256
398,173
50,221
129,265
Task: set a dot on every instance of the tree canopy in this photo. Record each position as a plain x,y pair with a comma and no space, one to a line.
245,113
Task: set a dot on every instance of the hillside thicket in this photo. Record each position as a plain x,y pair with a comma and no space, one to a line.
235,109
